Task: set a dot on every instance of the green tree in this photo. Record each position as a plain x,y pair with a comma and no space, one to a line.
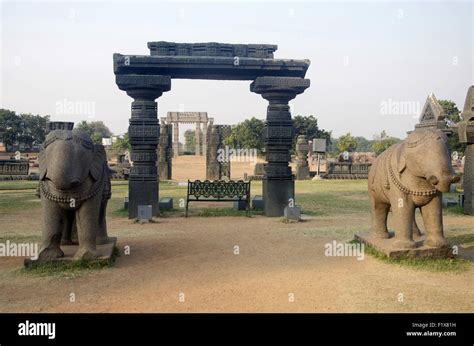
346,143
247,135
27,129
363,144
95,129
308,126
189,140
122,143
451,111
453,116
383,142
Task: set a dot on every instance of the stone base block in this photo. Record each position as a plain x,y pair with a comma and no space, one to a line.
302,173
277,195
387,247
166,203
292,213
104,252
257,202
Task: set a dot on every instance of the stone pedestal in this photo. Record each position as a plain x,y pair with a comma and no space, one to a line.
386,246
144,133
278,182
104,255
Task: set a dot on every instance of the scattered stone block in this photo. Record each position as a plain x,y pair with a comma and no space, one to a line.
448,202
166,203
239,205
257,202
145,212
292,213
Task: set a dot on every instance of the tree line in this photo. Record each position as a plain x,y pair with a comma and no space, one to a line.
30,130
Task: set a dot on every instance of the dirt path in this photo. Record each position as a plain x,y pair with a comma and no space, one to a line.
194,259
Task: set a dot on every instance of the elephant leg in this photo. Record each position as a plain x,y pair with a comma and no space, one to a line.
404,216
87,221
379,218
67,229
53,224
433,221
102,237
415,229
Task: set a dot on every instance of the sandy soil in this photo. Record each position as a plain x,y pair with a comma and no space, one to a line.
276,262
194,167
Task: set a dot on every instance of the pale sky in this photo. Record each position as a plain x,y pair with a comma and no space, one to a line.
366,57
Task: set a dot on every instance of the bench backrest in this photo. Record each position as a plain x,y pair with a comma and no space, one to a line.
219,189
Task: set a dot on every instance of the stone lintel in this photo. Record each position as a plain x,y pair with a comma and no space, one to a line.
208,67
164,48
292,85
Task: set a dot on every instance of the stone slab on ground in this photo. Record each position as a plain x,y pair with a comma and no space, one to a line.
104,251
386,246
257,202
240,205
292,213
165,203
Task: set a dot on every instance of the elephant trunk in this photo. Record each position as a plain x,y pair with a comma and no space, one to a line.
61,171
443,182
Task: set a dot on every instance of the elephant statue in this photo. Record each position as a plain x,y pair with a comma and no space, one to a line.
408,175
74,187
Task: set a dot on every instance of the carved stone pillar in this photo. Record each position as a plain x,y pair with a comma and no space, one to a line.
466,135
213,168
164,153
144,133
302,167
197,139
278,182
204,138
175,139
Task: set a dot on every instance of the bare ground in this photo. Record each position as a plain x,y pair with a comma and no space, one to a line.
195,259
276,261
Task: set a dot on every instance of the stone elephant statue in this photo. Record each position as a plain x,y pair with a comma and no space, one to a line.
408,175
74,187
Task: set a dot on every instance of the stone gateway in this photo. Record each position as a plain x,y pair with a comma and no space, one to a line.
146,77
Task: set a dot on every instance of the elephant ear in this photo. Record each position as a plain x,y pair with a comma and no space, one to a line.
401,161
42,165
98,160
